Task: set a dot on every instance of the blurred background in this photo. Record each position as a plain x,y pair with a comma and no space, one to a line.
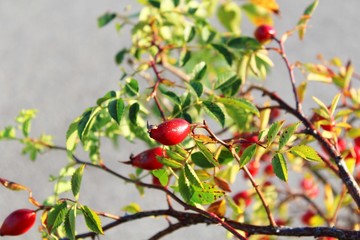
54,58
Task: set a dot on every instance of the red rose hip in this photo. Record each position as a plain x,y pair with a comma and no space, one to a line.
170,132
18,222
264,33
147,159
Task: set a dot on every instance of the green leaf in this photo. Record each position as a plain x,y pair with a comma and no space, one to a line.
107,96
133,113
215,112
286,134
206,195
132,87
280,166
239,103
224,52
247,155
244,44
162,175
207,153
25,117
9,132
56,216
305,18
305,152
86,121
174,155
197,86
171,95
76,181
92,220
170,162
189,33
199,71
69,223
229,14
185,189
200,160
116,109
273,131
185,56
132,208
155,3
105,19
119,57
192,176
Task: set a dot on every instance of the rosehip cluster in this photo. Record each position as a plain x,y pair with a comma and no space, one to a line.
18,222
244,196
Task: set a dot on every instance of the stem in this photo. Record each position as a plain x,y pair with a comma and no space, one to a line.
291,73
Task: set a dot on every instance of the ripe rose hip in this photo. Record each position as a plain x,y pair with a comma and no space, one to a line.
18,222
253,168
264,33
244,195
269,170
170,132
147,159
309,187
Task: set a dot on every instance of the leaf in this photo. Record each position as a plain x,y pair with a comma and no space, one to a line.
56,216
334,104
257,15
302,23
305,152
270,5
132,87
189,33
244,44
206,195
207,153
215,112
247,155
170,162
192,176
162,175
199,71
116,109
13,185
69,223
200,160
229,14
222,184
197,86
280,166
171,95
218,208
224,52
105,19
273,131
92,220
239,103
155,3
132,208
185,56
107,96
119,57
184,187
300,90
133,113
286,134
76,181
85,121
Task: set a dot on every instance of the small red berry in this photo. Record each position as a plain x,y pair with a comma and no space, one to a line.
242,196
18,222
147,159
269,170
306,218
357,141
253,168
274,113
309,187
264,33
341,144
170,132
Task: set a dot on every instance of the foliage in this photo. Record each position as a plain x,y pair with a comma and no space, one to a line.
196,72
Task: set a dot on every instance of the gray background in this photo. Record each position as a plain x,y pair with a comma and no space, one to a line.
54,58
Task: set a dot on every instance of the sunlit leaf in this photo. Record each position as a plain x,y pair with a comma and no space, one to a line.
247,155
76,181
305,152
302,23
215,112
280,166
286,134
92,220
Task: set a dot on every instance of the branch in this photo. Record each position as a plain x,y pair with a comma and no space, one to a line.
342,171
